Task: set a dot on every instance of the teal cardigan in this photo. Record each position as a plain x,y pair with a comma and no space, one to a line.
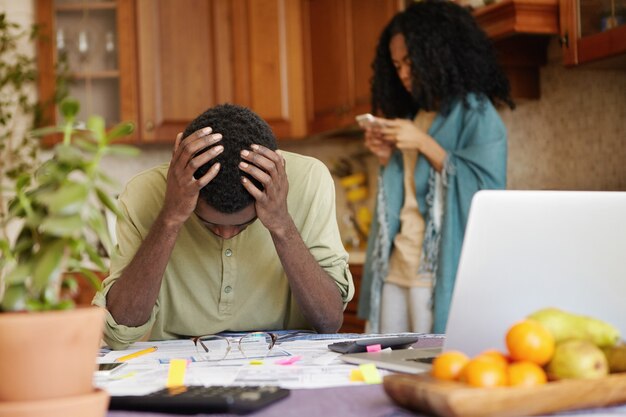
474,137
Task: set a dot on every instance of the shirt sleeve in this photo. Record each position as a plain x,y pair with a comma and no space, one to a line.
320,231
129,236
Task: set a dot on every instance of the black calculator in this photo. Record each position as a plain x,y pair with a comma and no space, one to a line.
201,399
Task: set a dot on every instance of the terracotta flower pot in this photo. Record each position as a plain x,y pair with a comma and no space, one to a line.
49,355
94,404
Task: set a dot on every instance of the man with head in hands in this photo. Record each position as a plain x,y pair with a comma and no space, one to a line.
231,235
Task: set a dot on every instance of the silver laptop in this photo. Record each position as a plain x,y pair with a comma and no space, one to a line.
525,250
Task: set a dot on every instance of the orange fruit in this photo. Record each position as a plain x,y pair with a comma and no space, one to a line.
526,374
495,355
529,340
484,372
448,365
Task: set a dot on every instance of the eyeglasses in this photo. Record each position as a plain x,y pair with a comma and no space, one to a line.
255,345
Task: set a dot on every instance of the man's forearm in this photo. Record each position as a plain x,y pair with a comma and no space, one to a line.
316,292
133,295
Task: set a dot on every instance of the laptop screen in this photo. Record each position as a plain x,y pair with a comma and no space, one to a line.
526,250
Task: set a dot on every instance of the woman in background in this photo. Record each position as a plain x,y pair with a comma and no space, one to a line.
439,141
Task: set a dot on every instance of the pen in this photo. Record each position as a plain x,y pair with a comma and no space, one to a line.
136,354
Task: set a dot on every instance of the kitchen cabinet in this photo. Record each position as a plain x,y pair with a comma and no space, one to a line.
303,65
593,30
95,41
195,54
343,40
185,63
351,323
520,31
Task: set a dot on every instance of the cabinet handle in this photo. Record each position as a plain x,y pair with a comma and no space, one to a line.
564,41
149,126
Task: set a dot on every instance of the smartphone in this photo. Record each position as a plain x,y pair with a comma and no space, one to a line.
368,120
106,369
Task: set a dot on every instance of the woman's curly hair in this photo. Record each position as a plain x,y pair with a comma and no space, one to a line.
240,128
450,58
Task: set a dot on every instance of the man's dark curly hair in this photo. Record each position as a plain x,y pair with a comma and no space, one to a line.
240,127
450,57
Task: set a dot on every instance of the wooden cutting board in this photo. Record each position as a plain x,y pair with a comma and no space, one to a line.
452,399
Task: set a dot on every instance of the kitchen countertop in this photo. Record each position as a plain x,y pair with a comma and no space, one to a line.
356,257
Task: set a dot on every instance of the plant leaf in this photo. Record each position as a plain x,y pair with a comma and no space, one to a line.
47,265
19,274
123,150
96,125
68,154
108,201
69,108
94,257
45,131
85,145
70,284
14,298
119,131
97,223
106,179
92,278
62,226
68,200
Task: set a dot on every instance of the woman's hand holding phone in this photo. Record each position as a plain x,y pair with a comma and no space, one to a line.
376,143
368,120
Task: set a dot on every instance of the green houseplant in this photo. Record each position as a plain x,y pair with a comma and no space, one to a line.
58,219
52,224
60,216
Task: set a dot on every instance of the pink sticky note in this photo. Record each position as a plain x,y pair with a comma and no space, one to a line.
374,348
288,361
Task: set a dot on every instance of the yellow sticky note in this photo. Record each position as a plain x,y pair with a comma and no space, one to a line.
356,376
124,376
176,373
370,373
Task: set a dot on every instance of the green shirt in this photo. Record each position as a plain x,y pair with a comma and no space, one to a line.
212,284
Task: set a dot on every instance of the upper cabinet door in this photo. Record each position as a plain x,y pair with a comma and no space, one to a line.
343,36
185,62
90,46
302,65
269,62
305,65
593,30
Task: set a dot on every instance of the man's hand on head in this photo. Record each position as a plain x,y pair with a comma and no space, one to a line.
268,167
183,189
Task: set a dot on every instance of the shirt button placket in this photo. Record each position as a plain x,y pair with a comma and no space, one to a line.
228,289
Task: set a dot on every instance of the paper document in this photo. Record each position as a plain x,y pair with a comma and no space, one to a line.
300,361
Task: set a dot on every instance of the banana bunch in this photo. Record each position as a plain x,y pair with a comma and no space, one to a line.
586,347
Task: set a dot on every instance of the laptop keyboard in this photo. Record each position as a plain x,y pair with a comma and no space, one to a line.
201,399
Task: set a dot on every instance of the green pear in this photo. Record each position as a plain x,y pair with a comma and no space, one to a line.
564,325
577,358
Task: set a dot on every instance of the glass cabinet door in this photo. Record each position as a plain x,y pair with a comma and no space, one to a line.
597,16
86,40
593,30
90,46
